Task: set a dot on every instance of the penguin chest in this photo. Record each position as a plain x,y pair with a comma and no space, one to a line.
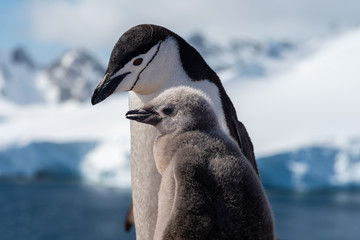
162,154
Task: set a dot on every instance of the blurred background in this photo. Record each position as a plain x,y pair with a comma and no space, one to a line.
292,69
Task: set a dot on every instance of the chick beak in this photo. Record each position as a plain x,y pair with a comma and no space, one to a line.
143,116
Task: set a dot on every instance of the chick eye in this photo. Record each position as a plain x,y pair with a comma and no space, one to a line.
168,111
137,61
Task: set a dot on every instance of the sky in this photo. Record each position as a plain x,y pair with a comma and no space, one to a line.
48,28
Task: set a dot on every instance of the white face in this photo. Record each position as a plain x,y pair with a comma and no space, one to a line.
171,122
163,72
153,71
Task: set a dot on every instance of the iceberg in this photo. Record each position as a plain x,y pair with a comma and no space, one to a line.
313,168
44,159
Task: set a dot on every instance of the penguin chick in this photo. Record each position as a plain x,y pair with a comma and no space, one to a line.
208,190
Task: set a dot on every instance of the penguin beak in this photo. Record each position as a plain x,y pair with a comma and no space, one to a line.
143,116
106,87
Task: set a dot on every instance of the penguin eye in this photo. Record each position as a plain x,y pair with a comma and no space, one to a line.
137,61
168,110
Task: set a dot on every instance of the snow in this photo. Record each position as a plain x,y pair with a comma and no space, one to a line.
75,75
50,92
64,122
316,101
20,81
303,120
99,136
347,166
108,164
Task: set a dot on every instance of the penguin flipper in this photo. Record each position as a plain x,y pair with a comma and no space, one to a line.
245,144
129,220
192,215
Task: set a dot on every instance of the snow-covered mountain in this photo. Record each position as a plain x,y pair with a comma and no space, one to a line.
76,75
72,77
250,57
18,78
304,120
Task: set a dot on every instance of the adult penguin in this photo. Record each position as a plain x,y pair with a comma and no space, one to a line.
146,60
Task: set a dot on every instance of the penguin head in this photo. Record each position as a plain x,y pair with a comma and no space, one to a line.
143,59
130,61
177,109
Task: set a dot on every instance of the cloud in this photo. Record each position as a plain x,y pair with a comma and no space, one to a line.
99,23
92,23
84,23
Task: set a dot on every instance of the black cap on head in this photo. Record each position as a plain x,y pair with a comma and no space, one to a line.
135,41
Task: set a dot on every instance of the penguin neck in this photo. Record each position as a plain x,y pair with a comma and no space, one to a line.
161,152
